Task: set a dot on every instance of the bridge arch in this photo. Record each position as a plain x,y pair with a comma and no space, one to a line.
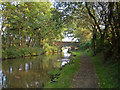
61,44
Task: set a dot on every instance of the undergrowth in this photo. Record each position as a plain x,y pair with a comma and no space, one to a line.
107,72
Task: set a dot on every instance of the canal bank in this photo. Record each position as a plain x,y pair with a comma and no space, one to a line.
63,76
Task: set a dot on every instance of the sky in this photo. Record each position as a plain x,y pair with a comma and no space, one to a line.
68,39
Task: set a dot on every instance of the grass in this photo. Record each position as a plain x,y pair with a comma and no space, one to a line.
107,72
66,74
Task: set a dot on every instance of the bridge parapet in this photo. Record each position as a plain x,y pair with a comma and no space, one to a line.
62,44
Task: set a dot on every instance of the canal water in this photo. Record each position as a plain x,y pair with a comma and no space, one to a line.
30,72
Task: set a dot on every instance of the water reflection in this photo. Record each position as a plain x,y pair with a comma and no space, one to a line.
66,54
0,77
63,63
66,59
27,85
4,81
30,65
11,69
31,72
20,67
28,72
26,67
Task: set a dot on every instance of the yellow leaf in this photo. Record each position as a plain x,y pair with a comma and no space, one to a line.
0,1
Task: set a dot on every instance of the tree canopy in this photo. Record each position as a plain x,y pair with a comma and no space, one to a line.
39,24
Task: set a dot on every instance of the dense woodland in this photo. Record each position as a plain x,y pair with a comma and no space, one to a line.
28,27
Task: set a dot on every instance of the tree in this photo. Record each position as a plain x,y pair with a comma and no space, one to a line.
29,24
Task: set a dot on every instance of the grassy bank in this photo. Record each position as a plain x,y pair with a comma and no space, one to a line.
107,72
64,79
14,52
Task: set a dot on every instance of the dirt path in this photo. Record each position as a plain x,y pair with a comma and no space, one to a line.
86,76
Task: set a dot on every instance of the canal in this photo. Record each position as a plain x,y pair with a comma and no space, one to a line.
31,72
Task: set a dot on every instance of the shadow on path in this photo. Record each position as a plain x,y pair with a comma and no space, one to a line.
86,76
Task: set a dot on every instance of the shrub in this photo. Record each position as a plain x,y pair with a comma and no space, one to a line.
11,52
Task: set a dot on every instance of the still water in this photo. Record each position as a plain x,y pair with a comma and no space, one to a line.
30,72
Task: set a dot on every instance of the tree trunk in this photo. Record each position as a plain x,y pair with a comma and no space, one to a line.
94,40
23,41
103,47
30,42
8,39
20,44
14,42
0,47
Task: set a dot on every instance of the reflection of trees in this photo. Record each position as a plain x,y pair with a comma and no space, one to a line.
51,62
37,71
25,78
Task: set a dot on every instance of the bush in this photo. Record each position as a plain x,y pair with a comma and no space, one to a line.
54,48
4,54
11,52
50,49
38,50
107,72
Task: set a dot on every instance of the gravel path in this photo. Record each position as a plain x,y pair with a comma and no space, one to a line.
86,76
